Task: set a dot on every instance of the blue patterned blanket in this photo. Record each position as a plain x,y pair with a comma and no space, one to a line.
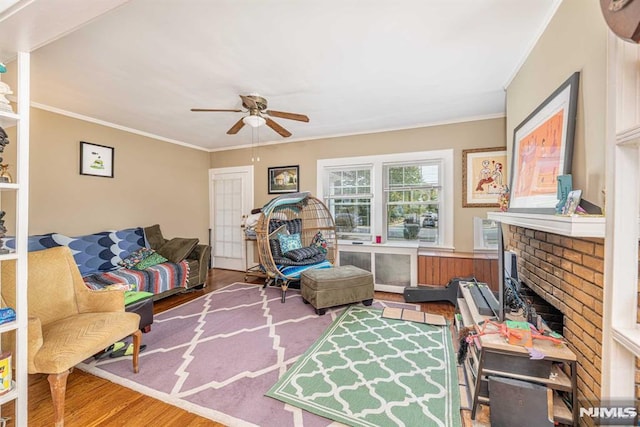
97,256
155,279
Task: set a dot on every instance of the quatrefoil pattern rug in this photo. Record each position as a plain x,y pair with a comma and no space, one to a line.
370,371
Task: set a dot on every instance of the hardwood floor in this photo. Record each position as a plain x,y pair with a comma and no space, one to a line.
92,401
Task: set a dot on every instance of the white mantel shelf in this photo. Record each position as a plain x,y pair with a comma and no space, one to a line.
572,226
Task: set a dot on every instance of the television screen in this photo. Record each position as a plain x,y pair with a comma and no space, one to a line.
509,285
501,278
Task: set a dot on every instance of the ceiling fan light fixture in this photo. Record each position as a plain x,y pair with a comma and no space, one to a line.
254,121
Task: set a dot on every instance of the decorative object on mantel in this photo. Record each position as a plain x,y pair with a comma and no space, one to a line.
484,176
572,202
503,200
543,149
587,208
565,184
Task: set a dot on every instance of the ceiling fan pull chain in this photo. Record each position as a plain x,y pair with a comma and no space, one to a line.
253,149
258,144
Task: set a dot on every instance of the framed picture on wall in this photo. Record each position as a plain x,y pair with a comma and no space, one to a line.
283,179
484,176
96,160
542,150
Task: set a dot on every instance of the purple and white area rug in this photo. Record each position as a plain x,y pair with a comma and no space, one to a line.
217,355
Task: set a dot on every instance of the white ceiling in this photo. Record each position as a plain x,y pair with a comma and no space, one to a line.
351,66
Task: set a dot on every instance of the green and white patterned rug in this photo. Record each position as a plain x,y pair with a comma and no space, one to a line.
366,370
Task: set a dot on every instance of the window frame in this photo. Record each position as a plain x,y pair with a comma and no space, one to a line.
378,163
479,242
388,188
369,167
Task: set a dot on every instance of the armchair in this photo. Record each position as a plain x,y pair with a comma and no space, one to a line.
68,322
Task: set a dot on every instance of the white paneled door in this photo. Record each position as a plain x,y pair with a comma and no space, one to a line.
231,197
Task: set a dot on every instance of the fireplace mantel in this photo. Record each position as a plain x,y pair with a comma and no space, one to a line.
572,226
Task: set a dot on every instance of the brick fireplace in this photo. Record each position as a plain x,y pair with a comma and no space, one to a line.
568,272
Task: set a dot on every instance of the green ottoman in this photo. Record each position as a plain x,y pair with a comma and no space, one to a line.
329,287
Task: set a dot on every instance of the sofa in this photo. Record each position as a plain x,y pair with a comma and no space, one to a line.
107,259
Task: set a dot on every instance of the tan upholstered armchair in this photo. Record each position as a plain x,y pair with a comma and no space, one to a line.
68,322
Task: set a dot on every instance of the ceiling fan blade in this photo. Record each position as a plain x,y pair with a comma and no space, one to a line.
250,103
290,116
215,109
273,125
235,128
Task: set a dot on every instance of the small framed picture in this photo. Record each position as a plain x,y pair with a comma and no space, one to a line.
283,179
96,160
484,176
573,200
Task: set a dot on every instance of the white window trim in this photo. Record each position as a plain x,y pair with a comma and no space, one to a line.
479,244
620,328
377,185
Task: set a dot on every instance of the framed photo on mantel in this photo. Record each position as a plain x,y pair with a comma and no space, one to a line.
542,151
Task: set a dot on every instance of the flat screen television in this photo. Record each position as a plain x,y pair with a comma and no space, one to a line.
501,275
507,274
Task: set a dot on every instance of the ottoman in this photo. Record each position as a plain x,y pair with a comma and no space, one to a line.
142,304
329,287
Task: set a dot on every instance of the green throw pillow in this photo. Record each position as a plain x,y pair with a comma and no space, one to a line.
289,242
178,248
150,261
153,236
135,257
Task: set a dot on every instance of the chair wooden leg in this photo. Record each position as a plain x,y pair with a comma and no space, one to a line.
58,386
137,339
284,287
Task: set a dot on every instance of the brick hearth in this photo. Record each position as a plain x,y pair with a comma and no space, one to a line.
568,273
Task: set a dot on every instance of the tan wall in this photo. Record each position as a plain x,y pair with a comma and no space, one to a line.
575,40
155,181
459,136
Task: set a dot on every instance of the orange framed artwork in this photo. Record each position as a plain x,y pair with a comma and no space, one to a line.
484,176
542,150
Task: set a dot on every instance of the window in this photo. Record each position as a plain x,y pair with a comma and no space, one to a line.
485,234
413,201
405,198
349,200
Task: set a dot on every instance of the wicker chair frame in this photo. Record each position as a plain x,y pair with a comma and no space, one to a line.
315,217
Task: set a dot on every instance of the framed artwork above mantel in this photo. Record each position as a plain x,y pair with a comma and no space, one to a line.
543,150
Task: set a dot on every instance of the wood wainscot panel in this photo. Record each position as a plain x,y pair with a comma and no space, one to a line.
437,268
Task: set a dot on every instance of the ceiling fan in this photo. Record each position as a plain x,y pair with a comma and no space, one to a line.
256,106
